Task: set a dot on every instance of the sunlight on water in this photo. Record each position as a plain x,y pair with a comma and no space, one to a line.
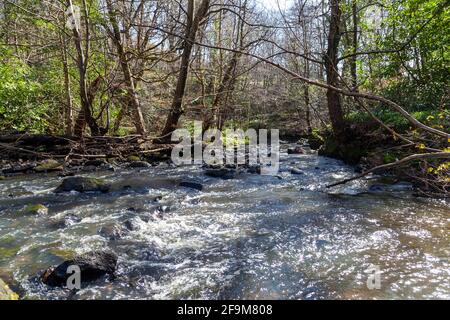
254,237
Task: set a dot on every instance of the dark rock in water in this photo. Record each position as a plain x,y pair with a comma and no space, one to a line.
143,184
192,185
320,244
93,265
132,225
296,171
112,232
296,150
82,184
254,169
67,221
139,164
6,293
95,163
221,173
89,168
36,209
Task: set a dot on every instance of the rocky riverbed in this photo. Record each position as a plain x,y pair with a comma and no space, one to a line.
193,232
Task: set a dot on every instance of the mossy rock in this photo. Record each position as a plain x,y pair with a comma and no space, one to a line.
2,178
134,158
9,252
6,293
49,165
82,184
62,253
36,209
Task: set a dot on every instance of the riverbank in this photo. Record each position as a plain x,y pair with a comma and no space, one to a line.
369,147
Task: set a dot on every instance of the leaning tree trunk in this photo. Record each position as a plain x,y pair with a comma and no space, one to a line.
192,26
331,63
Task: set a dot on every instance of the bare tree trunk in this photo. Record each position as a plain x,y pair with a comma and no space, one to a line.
85,114
331,61
132,97
191,32
354,76
68,110
307,75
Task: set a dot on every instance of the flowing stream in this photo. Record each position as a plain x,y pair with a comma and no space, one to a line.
253,237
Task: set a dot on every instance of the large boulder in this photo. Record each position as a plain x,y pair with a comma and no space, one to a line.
6,293
93,265
82,184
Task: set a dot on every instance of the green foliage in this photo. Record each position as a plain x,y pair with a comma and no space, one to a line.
21,96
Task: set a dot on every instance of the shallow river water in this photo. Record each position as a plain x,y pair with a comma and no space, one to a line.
254,237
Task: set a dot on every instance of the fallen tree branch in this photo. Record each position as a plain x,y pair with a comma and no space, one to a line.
423,156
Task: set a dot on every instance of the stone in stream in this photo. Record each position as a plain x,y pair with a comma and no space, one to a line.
132,224
222,173
36,209
191,185
139,164
67,221
96,163
296,150
93,265
143,184
255,169
6,293
112,232
48,166
82,184
296,171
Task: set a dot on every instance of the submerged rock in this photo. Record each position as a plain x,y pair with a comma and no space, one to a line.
66,221
96,163
139,164
36,209
296,150
6,293
93,265
112,232
296,171
143,184
191,184
82,184
221,173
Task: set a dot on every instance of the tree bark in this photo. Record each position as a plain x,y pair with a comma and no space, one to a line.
331,64
193,24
